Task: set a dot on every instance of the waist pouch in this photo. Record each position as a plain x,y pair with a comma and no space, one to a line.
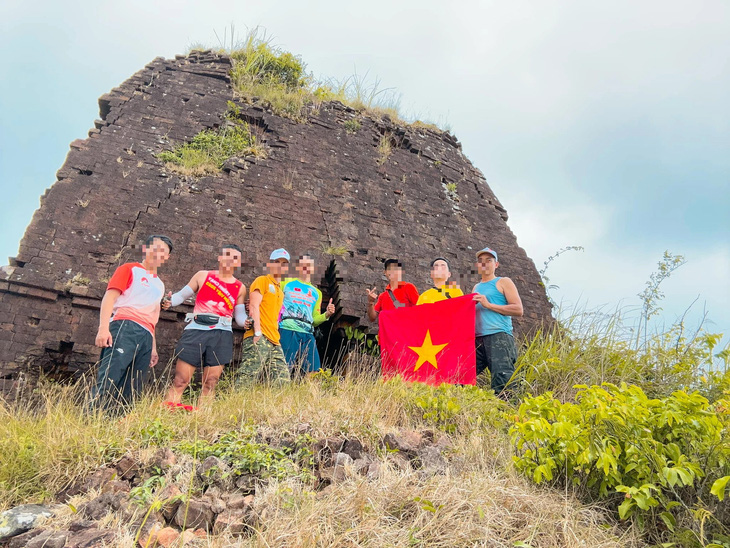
208,319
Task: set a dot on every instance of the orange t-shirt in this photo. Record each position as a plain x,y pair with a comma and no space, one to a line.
141,293
270,308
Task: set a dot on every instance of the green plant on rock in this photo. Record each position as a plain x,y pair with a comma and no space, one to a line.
245,456
352,126
209,149
655,458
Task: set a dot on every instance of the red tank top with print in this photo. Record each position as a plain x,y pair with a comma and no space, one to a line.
216,296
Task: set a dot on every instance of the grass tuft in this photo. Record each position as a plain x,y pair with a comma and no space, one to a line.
209,149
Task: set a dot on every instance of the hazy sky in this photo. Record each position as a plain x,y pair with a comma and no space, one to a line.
599,124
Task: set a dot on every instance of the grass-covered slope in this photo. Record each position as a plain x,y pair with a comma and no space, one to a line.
467,493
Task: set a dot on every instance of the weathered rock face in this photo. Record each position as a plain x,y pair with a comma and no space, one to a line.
320,187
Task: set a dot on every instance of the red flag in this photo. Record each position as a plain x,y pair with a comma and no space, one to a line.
431,343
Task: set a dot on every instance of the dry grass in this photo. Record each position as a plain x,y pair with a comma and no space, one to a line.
49,441
385,149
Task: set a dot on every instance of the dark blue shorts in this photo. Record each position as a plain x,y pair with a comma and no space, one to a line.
300,350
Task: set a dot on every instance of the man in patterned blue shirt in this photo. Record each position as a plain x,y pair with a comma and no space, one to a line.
301,313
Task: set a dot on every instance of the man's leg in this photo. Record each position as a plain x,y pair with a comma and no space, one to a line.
290,347
113,364
310,354
183,373
278,369
481,359
218,354
140,367
211,374
252,361
502,355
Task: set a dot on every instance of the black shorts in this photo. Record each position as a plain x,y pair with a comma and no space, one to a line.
209,348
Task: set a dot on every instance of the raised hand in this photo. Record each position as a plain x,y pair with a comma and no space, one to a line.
330,309
372,295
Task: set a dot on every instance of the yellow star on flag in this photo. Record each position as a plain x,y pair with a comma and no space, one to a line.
427,352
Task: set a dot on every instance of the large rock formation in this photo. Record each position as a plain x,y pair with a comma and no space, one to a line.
320,188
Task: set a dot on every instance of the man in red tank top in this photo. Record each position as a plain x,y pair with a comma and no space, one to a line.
207,340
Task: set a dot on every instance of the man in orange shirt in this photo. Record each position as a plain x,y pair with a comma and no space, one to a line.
262,356
397,293
129,313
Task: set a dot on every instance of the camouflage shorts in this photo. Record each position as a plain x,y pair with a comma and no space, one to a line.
498,354
262,362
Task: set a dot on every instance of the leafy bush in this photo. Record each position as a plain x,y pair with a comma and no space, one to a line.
658,457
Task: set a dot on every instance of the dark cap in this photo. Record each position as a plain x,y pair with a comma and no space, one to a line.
441,259
389,262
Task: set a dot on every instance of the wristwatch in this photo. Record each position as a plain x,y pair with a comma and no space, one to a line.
257,333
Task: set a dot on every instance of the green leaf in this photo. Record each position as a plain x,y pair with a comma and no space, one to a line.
718,488
668,520
625,508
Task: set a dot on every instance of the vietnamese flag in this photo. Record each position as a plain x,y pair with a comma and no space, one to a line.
431,343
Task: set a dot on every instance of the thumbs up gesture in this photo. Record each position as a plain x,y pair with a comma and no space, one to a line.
330,309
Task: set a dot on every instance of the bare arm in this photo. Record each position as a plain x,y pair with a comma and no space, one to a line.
514,303
155,357
372,298
241,295
103,337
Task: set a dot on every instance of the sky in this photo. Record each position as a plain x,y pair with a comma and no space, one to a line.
604,125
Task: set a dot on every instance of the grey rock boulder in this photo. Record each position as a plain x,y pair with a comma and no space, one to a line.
21,519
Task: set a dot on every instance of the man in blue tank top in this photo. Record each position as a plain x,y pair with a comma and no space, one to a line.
497,301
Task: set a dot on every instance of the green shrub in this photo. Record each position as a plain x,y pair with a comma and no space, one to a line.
209,149
658,457
246,456
352,126
585,351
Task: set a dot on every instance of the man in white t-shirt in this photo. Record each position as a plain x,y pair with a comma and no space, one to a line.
129,313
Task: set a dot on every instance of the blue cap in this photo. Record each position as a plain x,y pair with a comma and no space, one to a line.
280,253
490,251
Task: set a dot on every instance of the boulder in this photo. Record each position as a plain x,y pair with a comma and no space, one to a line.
238,522
162,460
240,502
194,514
247,484
21,519
353,448
101,505
167,537
213,471
341,460
373,472
22,540
407,441
90,538
128,467
49,539
432,460
362,465
170,497
324,450
116,486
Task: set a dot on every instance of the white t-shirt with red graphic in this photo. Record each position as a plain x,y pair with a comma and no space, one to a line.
141,291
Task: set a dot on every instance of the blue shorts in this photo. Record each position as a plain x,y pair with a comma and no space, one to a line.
300,350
